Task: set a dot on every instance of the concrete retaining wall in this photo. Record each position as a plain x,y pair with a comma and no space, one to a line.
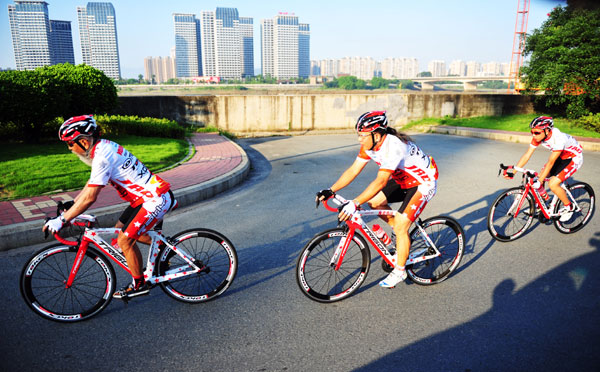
246,113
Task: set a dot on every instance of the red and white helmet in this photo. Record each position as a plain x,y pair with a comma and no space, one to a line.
78,126
542,122
371,121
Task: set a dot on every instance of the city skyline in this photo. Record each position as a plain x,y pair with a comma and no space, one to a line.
430,30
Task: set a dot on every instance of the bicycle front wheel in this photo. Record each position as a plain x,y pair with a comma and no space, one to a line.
211,251
448,237
316,274
504,222
583,195
44,277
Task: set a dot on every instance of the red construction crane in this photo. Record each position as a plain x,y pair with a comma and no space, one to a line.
516,60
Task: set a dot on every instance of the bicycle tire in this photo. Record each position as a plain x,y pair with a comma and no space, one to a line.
315,276
448,236
505,227
210,249
585,198
43,278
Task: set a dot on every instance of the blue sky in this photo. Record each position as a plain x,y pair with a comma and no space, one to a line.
479,30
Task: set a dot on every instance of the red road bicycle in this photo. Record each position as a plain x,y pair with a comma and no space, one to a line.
513,211
335,262
73,280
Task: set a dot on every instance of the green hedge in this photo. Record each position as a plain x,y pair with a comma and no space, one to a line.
589,122
136,126
116,125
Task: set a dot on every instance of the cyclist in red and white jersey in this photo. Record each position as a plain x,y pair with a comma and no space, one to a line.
565,159
150,197
412,173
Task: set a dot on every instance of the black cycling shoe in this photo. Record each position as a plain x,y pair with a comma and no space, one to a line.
131,291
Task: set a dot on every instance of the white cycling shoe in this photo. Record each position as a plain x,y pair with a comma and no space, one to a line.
395,277
566,213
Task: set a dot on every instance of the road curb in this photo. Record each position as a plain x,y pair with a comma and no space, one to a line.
588,144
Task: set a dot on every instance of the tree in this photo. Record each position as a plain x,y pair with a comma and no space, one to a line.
425,74
380,83
351,82
30,99
565,61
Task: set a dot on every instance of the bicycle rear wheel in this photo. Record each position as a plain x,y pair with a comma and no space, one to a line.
317,277
210,250
502,223
43,279
583,194
448,237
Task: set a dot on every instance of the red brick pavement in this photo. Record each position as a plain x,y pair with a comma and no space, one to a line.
214,157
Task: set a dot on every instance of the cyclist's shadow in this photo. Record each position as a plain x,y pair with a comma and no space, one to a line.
477,237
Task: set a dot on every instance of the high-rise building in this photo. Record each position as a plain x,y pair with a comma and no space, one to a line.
98,34
158,70
285,47
187,46
303,50
266,47
228,43
399,68
247,32
62,41
491,69
37,40
222,42
473,68
457,68
437,68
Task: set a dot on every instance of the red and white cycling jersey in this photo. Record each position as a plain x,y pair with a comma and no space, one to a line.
111,163
559,141
408,164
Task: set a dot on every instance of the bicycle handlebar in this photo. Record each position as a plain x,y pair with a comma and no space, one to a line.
529,172
337,199
83,220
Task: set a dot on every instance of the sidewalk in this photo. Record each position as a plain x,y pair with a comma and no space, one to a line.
218,165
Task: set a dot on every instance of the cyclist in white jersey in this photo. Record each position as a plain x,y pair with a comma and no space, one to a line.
565,159
149,197
414,181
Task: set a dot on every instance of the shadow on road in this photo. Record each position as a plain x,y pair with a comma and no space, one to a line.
552,324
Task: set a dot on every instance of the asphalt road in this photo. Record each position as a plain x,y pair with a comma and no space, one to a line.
532,304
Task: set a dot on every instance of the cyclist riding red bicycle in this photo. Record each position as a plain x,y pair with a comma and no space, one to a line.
565,159
414,176
148,195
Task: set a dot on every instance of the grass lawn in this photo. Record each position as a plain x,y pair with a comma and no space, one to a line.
33,169
518,123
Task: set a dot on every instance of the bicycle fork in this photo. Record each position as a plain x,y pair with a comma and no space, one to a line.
341,249
77,264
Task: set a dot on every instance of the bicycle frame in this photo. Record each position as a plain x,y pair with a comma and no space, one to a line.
357,223
92,236
529,189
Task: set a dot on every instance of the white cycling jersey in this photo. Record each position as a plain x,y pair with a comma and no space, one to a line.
408,164
111,163
559,141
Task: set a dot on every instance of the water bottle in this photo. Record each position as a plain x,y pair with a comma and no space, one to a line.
381,234
541,190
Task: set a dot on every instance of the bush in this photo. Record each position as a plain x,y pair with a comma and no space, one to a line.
30,99
589,122
136,126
